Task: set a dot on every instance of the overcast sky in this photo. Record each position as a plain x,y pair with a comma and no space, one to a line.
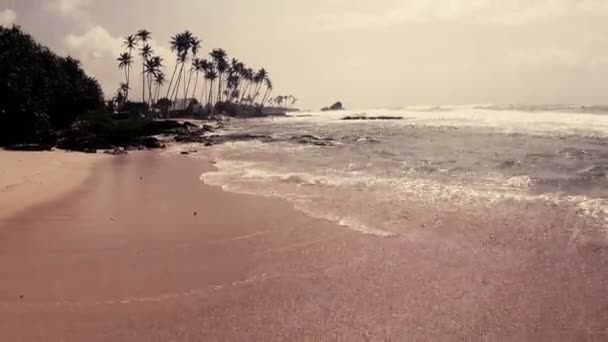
366,53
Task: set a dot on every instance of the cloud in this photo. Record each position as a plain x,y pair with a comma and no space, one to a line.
98,49
504,12
68,7
97,43
8,17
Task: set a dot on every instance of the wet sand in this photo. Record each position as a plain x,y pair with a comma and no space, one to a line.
28,178
143,251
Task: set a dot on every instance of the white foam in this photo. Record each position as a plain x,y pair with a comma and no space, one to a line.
310,189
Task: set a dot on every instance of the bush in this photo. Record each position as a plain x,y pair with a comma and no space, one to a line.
41,92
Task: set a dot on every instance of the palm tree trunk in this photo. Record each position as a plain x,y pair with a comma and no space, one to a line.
188,86
171,82
195,84
150,91
268,90
210,94
203,91
219,88
143,85
177,84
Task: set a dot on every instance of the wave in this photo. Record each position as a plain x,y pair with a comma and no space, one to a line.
369,204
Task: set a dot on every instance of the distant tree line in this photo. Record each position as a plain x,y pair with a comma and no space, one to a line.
40,92
223,79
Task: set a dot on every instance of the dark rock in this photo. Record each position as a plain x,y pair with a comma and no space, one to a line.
116,151
336,106
151,142
307,139
184,152
29,147
364,117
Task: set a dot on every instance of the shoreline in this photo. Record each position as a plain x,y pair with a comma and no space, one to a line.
146,251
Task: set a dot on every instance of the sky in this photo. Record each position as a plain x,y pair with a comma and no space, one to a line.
381,53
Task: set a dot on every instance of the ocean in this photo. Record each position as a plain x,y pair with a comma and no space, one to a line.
385,177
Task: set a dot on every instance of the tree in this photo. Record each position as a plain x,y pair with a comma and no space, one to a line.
145,52
125,60
268,83
210,75
221,65
41,91
143,36
195,45
130,43
153,67
259,79
159,81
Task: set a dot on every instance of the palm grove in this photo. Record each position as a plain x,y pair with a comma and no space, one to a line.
211,81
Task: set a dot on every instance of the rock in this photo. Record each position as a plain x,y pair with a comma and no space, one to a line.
307,139
365,117
116,151
336,106
184,153
151,142
29,147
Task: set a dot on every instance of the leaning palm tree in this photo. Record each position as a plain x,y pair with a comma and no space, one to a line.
182,47
248,75
159,81
125,60
221,65
259,80
145,53
268,84
210,75
153,66
195,45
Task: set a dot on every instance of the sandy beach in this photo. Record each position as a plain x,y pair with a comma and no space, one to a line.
137,248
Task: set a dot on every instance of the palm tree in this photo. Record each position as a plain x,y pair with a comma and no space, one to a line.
248,75
268,84
159,80
153,66
195,45
145,53
210,75
143,36
183,45
130,43
259,78
221,65
125,60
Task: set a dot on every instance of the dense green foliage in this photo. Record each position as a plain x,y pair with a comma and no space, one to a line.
40,92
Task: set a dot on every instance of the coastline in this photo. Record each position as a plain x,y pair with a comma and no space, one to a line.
146,251
31,178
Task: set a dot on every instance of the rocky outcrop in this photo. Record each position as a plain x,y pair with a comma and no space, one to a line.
336,106
365,117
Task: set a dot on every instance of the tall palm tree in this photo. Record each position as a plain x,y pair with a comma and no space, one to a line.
204,66
248,75
183,46
268,84
153,66
221,65
259,78
130,42
125,60
145,53
143,36
195,45
210,75
159,81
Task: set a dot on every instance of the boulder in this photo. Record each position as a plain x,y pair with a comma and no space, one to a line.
336,106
